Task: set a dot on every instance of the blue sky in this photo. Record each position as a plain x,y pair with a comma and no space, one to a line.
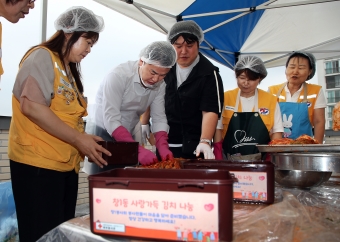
121,40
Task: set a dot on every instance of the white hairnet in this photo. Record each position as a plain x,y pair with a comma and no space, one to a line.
159,53
79,19
188,27
307,55
252,63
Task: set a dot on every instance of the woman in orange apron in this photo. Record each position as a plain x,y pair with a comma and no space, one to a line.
250,115
302,104
46,137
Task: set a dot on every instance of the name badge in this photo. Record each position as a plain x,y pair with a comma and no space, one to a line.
65,83
229,108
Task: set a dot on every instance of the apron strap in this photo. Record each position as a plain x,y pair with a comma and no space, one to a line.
304,91
280,90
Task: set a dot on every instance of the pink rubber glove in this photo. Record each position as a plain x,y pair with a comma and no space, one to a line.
122,134
218,150
163,146
145,157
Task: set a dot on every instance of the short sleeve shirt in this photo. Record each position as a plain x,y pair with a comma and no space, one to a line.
35,78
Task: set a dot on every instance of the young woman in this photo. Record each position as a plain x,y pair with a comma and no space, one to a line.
46,137
250,115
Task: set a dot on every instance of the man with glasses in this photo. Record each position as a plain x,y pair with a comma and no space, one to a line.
13,11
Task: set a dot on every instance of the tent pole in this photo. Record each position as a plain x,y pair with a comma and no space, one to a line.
237,54
43,20
151,18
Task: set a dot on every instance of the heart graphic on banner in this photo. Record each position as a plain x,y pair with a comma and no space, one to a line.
261,178
98,200
209,207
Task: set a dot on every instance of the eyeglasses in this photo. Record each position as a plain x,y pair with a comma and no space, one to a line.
31,1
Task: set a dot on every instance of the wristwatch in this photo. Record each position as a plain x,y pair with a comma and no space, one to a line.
205,141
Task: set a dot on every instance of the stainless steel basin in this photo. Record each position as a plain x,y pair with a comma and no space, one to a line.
301,179
304,170
307,161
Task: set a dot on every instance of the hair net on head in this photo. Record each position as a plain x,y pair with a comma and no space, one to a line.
307,55
188,27
159,53
253,63
79,19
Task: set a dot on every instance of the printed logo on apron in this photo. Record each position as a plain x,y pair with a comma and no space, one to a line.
264,111
309,104
242,139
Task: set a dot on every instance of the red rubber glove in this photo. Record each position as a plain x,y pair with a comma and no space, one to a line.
145,157
218,150
163,146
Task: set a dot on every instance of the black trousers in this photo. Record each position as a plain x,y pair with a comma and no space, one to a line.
43,199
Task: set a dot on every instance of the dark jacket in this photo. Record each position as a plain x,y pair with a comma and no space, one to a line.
184,106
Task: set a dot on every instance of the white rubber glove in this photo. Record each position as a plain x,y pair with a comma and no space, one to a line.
206,150
145,133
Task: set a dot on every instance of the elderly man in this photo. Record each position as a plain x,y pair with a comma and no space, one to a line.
193,94
126,92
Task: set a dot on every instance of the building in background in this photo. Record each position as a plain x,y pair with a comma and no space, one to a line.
329,79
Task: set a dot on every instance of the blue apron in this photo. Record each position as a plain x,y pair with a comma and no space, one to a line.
295,119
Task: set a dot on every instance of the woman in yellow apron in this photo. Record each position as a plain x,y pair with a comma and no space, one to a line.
250,115
46,137
302,104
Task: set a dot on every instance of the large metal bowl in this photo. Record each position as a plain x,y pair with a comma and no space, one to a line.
304,170
301,179
307,161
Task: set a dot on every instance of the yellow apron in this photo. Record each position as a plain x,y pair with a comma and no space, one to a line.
266,104
31,145
1,69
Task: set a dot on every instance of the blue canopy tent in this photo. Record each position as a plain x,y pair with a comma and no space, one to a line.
270,29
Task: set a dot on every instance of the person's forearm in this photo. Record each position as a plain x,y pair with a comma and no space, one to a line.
218,135
209,123
48,121
277,135
319,132
145,117
319,124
